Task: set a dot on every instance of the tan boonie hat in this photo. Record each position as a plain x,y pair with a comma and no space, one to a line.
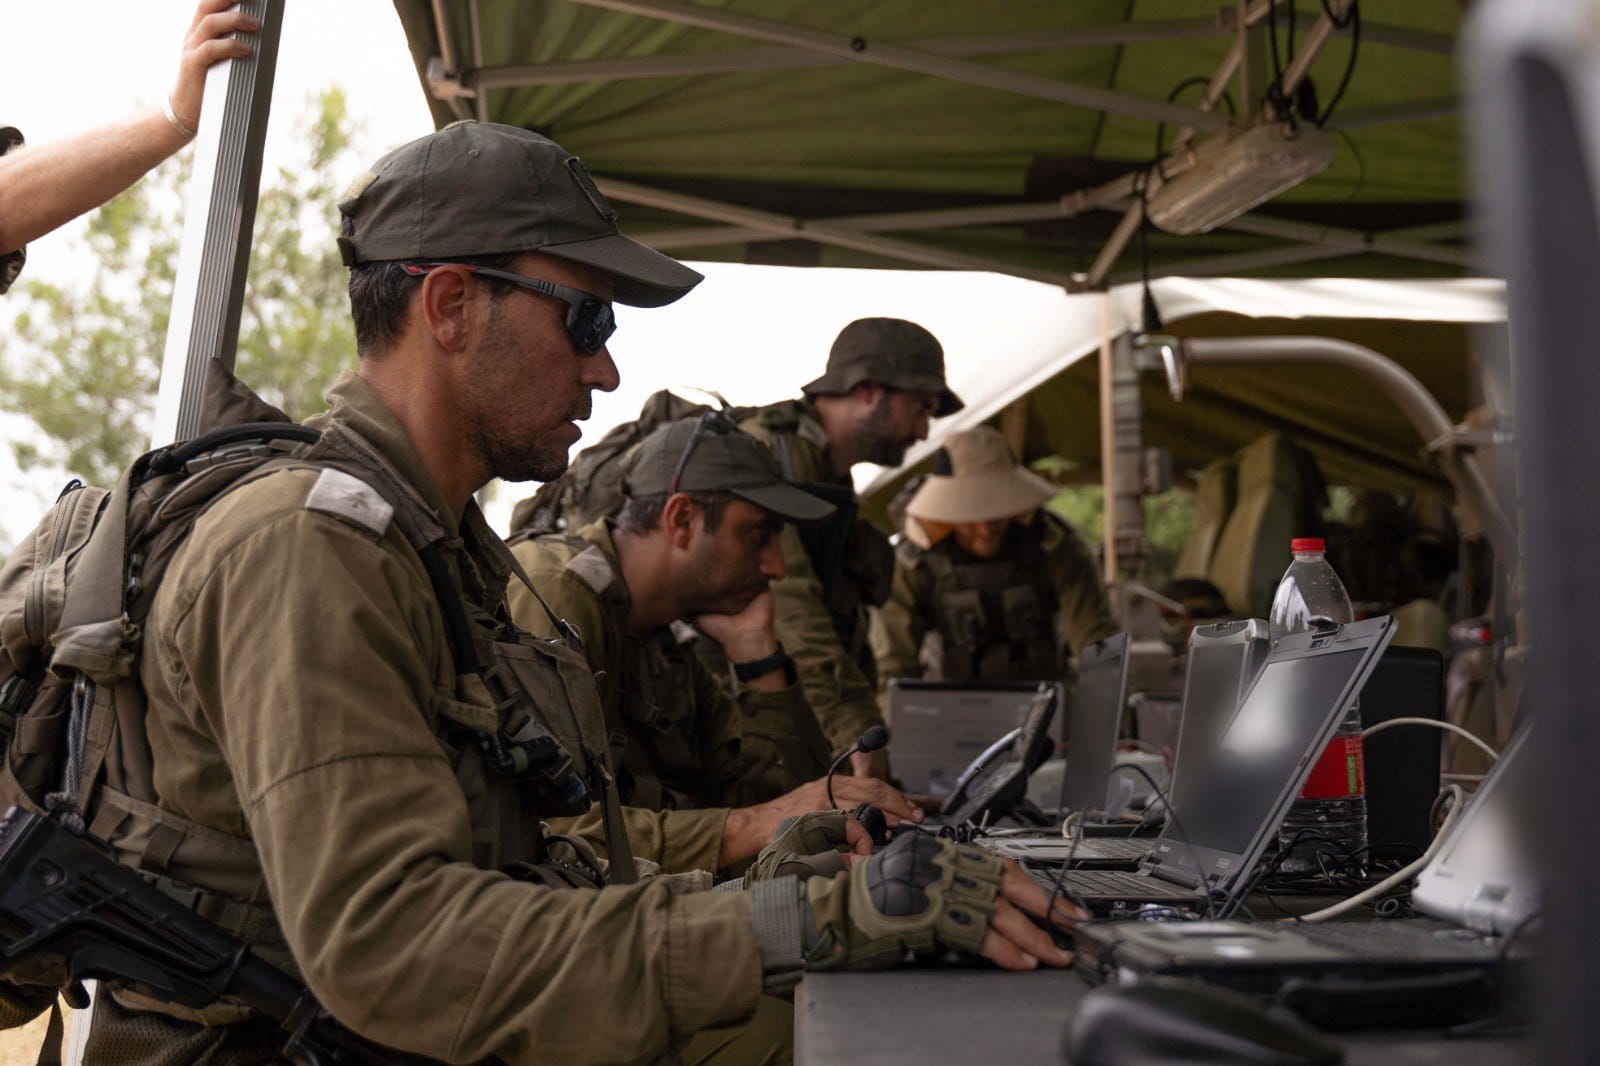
975,479
889,351
709,453
481,188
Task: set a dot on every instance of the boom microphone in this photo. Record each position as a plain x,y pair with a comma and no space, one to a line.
874,738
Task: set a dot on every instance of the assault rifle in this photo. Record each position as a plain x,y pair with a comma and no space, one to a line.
68,908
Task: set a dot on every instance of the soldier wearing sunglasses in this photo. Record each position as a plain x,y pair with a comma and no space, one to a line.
345,728
697,541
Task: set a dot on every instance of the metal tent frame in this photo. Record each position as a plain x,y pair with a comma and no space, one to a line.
463,89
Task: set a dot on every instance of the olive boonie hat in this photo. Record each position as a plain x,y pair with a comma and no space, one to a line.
709,454
481,188
889,351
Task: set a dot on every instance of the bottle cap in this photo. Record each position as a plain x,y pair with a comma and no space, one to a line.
1308,544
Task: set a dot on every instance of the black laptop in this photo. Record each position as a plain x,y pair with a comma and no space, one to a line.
1218,829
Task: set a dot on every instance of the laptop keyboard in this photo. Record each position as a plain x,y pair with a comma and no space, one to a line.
1102,883
1110,848
1383,939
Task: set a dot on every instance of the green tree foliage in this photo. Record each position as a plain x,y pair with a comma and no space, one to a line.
83,361
1168,521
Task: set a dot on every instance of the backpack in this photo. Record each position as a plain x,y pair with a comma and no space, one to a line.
591,488
75,592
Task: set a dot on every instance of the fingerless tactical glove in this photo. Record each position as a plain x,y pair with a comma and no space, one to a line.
806,846
919,894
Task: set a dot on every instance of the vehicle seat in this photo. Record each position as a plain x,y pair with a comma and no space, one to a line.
1215,489
1281,496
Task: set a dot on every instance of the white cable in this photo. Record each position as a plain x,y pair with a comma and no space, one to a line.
1435,723
1404,875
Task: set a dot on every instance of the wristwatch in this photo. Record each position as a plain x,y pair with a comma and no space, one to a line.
748,672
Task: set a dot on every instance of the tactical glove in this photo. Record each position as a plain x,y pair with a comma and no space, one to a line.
805,846
919,894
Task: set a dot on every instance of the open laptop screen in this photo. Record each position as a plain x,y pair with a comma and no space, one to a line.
1092,724
1282,717
1210,694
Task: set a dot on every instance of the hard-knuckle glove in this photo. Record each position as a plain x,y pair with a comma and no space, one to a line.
917,895
805,846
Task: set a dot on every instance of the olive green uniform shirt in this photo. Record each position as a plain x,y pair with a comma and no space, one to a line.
838,677
901,625
678,740
297,669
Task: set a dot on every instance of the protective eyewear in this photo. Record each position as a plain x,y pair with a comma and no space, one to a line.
590,320
717,422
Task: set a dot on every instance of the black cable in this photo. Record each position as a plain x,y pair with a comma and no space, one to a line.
1177,823
1353,20
1274,93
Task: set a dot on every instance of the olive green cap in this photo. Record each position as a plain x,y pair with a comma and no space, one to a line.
721,458
888,351
482,188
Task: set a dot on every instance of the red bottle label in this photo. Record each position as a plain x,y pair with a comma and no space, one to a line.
1341,771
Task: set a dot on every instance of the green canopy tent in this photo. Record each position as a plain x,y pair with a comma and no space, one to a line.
1006,137
1015,138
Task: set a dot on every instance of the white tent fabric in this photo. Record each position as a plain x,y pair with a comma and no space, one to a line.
1072,329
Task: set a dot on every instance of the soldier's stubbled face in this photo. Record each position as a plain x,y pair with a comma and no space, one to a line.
733,563
894,423
526,386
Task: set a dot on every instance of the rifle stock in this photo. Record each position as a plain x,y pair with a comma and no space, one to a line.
69,910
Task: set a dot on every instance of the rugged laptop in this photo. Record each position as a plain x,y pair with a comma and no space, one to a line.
1477,892
1223,660
1216,832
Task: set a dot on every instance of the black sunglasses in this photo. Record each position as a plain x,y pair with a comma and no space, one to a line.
590,320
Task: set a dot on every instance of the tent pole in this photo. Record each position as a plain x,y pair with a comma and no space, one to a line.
1389,114
1354,240
752,60
480,99
1108,448
214,255
821,232
882,53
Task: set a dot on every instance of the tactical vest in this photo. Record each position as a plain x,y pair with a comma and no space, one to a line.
996,618
73,598
853,559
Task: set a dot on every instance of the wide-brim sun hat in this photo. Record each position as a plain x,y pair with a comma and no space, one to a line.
975,479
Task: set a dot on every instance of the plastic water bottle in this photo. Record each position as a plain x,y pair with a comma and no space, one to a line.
1330,815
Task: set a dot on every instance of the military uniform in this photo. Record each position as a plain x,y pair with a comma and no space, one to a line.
678,741
954,617
11,262
304,706
823,623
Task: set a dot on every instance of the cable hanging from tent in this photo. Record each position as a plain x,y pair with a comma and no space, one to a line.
1352,20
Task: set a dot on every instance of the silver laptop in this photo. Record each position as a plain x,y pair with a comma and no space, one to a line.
1223,660
1205,857
1476,893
